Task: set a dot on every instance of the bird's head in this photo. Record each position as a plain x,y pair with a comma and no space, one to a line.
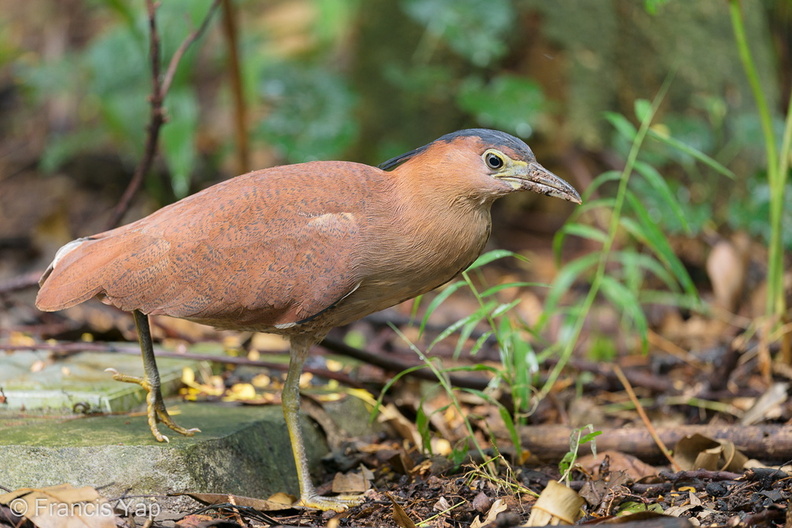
494,161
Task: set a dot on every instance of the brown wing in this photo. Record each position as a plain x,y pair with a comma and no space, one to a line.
268,248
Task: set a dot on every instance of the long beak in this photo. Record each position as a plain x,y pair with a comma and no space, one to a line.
534,177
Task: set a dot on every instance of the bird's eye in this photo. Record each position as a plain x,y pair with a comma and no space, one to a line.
493,161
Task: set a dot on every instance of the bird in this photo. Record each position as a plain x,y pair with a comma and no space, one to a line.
298,250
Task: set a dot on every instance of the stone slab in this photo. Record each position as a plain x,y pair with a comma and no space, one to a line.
78,383
242,450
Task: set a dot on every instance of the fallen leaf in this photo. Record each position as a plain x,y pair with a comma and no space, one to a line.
350,483
482,502
62,506
556,504
497,507
279,501
399,515
618,462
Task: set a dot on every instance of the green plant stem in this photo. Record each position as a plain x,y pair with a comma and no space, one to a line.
776,178
613,228
446,385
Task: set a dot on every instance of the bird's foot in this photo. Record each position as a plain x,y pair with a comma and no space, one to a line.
155,407
339,504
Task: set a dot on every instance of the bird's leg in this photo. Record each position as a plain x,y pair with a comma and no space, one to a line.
155,407
291,407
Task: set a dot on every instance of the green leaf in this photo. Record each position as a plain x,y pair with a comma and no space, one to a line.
633,259
566,277
695,153
662,192
422,425
491,256
647,231
507,102
475,317
311,112
178,138
475,29
601,203
444,294
643,109
500,287
628,303
480,342
589,437
581,230
622,125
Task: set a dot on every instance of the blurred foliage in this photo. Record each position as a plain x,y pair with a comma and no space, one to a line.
347,79
111,78
507,102
475,29
310,113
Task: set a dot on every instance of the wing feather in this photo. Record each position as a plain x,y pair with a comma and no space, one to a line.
258,250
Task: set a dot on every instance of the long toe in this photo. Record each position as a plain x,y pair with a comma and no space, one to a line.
164,417
338,504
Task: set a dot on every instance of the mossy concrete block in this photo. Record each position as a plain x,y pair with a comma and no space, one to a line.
241,450
78,383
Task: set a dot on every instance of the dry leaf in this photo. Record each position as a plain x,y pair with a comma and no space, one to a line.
399,515
497,507
618,462
557,504
482,502
405,428
441,505
350,483
726,267
279,501
700,452
768,404
62,506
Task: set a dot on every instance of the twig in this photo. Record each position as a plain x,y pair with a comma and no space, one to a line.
700,474
649,426
393,365
235,72
177,57
20,282
159,89
68,349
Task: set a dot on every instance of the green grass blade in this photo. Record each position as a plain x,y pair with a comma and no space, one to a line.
692,152
491,256
437,301
647,232
622,125
628,303
505,286
475,317
563,281
633,259
663,191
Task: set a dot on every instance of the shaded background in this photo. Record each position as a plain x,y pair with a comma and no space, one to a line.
364,80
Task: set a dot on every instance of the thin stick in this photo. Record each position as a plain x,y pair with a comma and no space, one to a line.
649,426
177,57
159,89
235,72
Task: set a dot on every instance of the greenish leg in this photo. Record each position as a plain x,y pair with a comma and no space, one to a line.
291,407
155,407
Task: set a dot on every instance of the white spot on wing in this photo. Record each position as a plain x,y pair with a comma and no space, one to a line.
65,250
331,220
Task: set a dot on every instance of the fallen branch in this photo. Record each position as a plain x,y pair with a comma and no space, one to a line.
763,442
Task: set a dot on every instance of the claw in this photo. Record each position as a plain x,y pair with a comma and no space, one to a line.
155,407
338,504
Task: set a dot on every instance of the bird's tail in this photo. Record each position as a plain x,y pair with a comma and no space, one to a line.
72,278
